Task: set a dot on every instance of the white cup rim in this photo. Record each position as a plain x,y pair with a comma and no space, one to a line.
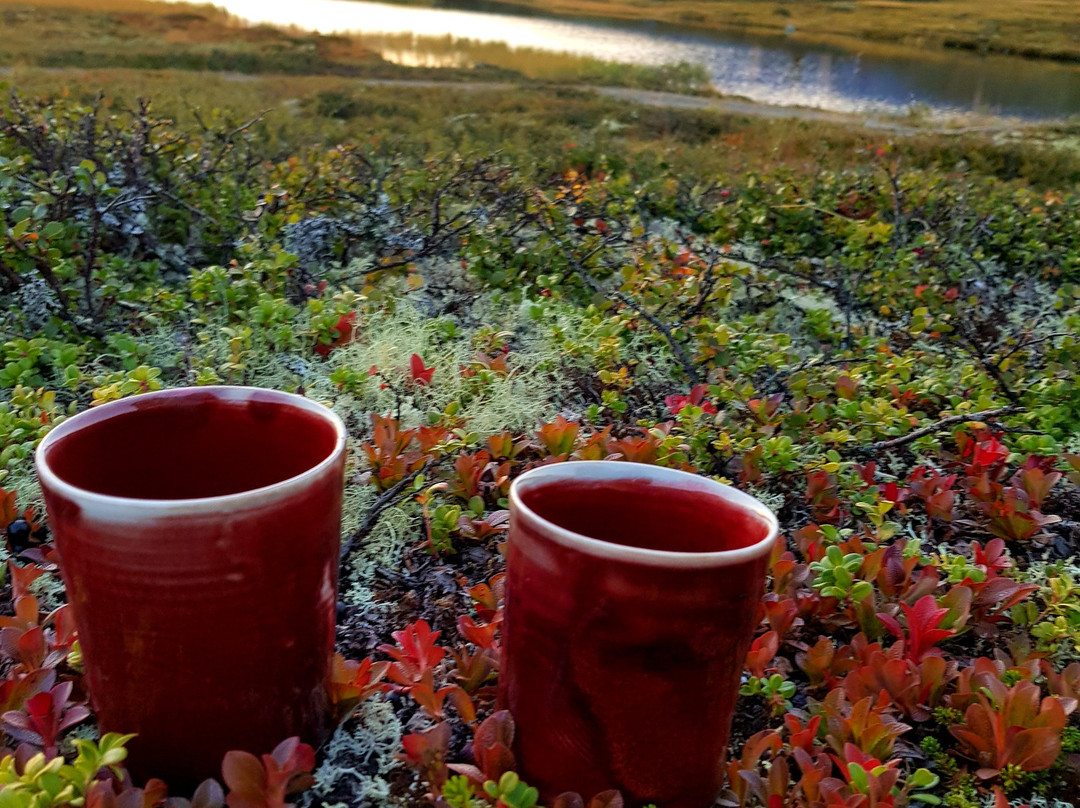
94,502
600,470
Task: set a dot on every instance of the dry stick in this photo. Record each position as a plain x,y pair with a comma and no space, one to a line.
578,264
903,440
9,273
390,497
680,352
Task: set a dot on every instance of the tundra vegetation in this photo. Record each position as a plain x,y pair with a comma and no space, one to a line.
875,336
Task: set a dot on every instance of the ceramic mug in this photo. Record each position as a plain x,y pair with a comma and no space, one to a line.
198,533
632,595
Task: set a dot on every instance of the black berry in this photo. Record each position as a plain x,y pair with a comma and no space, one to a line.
18,533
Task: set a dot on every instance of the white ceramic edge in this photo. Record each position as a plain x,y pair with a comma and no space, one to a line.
120,509
599,470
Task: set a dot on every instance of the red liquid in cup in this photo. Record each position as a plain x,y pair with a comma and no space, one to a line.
203,628
622,674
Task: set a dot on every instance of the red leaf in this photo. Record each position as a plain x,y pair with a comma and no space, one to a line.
246,779
762,652
568,799
421,375
607,799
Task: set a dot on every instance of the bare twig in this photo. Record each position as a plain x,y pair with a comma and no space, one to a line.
578,264
910,437
387,499
680,352
1023,346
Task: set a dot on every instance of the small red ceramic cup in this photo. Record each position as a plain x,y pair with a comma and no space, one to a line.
631,597
198,533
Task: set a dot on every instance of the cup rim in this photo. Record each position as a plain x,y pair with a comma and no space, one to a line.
219,504
599,470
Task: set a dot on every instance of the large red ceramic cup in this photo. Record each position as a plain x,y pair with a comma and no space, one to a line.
198,533
631,597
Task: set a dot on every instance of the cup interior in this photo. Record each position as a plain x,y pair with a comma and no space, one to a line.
192,445
646,513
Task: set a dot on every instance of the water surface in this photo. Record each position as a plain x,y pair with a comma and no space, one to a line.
773,70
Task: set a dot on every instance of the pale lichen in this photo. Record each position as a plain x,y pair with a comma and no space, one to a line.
357,758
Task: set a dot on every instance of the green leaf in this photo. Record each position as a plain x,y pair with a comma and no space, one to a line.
923,778
858,777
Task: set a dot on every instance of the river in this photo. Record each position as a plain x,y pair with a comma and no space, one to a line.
771,70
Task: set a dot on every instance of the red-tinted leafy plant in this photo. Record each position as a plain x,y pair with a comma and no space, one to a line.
558,437
982,450
1010,726
822,497
265,783
824,664
415,654
432,699
486,527
482,634
677,404
390,454
605,799
487,598
1006,726
935,491
492,742
761,654
43,717
468,470
17,688
914,688
1035,482
992,559
866,724
922,633
353,682
111,794
1064,684
758,746
1012,511
427,752
22,577
636,448
781,613
472,670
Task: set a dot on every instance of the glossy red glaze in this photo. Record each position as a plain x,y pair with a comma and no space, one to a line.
622,657
198,532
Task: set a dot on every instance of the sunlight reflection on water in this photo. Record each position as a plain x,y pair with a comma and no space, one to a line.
771,71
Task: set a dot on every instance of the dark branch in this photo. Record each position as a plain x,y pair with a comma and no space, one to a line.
387,499
911,437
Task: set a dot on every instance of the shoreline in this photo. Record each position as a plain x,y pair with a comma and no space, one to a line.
947,124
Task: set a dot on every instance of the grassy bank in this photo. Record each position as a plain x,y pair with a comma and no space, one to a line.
545,125
1046,29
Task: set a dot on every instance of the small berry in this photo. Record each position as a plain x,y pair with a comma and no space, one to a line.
19,533
342,611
